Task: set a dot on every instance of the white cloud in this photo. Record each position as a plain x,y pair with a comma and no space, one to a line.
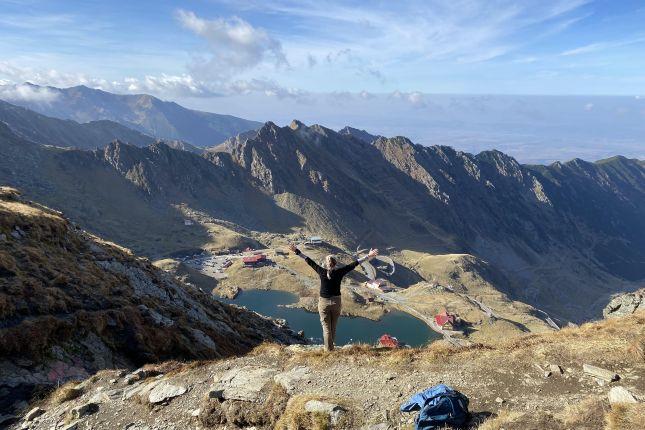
585,49
268,88
26,92
466,31
588,107
415,98
601,46
234,45
182,85
185,85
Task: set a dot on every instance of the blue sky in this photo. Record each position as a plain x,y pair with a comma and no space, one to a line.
287,49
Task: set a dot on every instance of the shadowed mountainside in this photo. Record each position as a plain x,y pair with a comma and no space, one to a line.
67,133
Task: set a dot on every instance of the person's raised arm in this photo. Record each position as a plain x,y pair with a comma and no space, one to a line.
351,266
309,261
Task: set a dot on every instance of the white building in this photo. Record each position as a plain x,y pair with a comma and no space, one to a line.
188,222
314,240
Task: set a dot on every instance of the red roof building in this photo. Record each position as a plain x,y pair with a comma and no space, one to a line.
387,341
254,260
445,320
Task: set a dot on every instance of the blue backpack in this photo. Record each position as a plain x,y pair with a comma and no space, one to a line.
439,406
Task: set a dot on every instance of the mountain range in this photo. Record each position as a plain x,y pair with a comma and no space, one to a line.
141,112
567,235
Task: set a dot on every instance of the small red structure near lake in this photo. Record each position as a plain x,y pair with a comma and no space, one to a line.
446,320
387,341
254,260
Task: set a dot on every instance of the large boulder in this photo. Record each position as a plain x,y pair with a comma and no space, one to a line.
243,383
625,304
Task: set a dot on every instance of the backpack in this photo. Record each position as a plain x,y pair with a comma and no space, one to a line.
439,406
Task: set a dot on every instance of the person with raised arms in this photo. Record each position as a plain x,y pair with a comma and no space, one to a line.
329,301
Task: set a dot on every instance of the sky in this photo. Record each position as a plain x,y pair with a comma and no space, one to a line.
282,59
290,48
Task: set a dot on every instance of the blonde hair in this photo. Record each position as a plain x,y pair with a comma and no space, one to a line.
330,263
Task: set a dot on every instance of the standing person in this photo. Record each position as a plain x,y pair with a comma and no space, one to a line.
329,303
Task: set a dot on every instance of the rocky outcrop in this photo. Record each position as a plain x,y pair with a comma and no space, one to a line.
625,304
71,304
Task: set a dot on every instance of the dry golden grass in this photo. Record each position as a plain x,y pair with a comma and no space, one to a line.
500,421
65,393
267,348
619,339
637,349
588,414
296,418
626,417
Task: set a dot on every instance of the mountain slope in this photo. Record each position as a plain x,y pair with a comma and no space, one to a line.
67,133
142,112
139,197
72,304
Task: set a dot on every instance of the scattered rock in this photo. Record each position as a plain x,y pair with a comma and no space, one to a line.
621,395
35,412
80,411
142,391
333,410
499,400
72,426
555,369
600,373
302,348
16,235
3,237
196,412
165,391
216,394
137,375
244,383
106,396
380,426
290,379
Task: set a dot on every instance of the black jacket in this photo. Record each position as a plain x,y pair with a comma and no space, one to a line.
329,287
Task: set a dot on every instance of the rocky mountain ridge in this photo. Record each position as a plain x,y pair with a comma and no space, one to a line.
568,235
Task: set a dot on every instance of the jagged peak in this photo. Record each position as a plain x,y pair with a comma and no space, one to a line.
398,141
496,155
358,134
295,125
